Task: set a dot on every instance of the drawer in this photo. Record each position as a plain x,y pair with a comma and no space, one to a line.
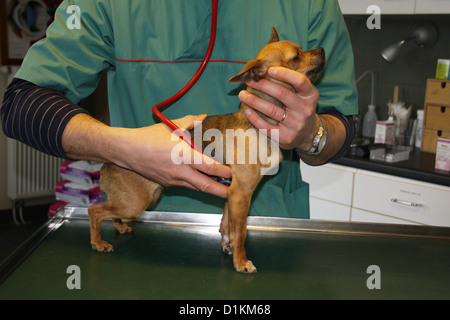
437,117
437,92
430,138
402,198
329,182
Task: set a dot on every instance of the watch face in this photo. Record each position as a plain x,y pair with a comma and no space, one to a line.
316,144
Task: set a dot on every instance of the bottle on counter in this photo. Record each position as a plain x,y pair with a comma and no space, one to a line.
369,122
418,143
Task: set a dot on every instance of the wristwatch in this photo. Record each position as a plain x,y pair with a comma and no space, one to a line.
319,141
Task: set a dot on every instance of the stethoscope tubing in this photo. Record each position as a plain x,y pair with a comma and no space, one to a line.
190,84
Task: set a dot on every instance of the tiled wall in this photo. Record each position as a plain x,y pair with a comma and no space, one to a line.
412,67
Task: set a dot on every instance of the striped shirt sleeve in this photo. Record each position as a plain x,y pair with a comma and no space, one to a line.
37,116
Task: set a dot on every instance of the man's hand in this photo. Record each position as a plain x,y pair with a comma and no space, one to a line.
301,123
146,150
152,157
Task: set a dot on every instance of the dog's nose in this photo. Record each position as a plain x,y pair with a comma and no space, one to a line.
320,51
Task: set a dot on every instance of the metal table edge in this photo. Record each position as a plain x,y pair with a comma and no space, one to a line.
21,253
278,224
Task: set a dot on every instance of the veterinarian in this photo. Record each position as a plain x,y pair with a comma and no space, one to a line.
150,50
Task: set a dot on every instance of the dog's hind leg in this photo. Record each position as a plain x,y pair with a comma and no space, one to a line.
121,227
128,195
154,194
97,214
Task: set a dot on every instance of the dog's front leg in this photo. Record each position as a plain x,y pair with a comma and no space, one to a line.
245,180
239,204
225,231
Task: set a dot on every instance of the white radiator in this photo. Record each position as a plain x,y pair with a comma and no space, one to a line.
31,173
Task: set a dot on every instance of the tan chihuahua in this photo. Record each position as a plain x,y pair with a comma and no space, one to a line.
130,194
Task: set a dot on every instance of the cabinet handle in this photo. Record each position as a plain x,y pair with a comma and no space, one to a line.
406,203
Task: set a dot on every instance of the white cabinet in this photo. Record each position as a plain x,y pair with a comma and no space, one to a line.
331,182
404,199
396,6
330,189
347,194
321,209
370,217
386,6
432,6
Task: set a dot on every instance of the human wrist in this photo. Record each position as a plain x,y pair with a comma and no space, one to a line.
307,143
86,138
117,145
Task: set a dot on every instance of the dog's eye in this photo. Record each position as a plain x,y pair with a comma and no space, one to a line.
296,58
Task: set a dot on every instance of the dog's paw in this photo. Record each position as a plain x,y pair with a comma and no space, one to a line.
102,246
226,245
246,267
123,229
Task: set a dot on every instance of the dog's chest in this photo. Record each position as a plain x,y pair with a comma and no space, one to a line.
232,139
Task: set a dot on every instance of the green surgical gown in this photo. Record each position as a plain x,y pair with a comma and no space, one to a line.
152,48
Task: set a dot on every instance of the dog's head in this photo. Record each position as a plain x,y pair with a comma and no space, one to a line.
281,53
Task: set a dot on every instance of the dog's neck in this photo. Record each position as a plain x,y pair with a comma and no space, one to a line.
266,97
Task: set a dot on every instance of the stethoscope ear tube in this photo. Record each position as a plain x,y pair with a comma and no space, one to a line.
189,85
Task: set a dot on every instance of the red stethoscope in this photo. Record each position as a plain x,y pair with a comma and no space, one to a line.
189,85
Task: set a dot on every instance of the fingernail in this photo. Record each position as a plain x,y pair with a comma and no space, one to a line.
272,71
243,94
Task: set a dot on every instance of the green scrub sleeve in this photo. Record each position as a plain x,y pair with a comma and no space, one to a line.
72,56
337,86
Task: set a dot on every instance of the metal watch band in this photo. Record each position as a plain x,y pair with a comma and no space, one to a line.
317,146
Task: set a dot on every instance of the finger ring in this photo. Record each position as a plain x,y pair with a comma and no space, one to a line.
284,116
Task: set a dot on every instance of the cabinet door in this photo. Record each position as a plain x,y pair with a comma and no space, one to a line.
386,6
329,182
327,210
432,6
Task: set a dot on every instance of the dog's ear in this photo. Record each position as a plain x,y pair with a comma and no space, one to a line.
274,37
253,70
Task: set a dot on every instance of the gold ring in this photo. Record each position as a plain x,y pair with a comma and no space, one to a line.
284,116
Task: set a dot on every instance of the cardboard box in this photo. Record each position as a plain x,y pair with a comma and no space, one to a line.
430,139
385,132
443,155
436,122
437,92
